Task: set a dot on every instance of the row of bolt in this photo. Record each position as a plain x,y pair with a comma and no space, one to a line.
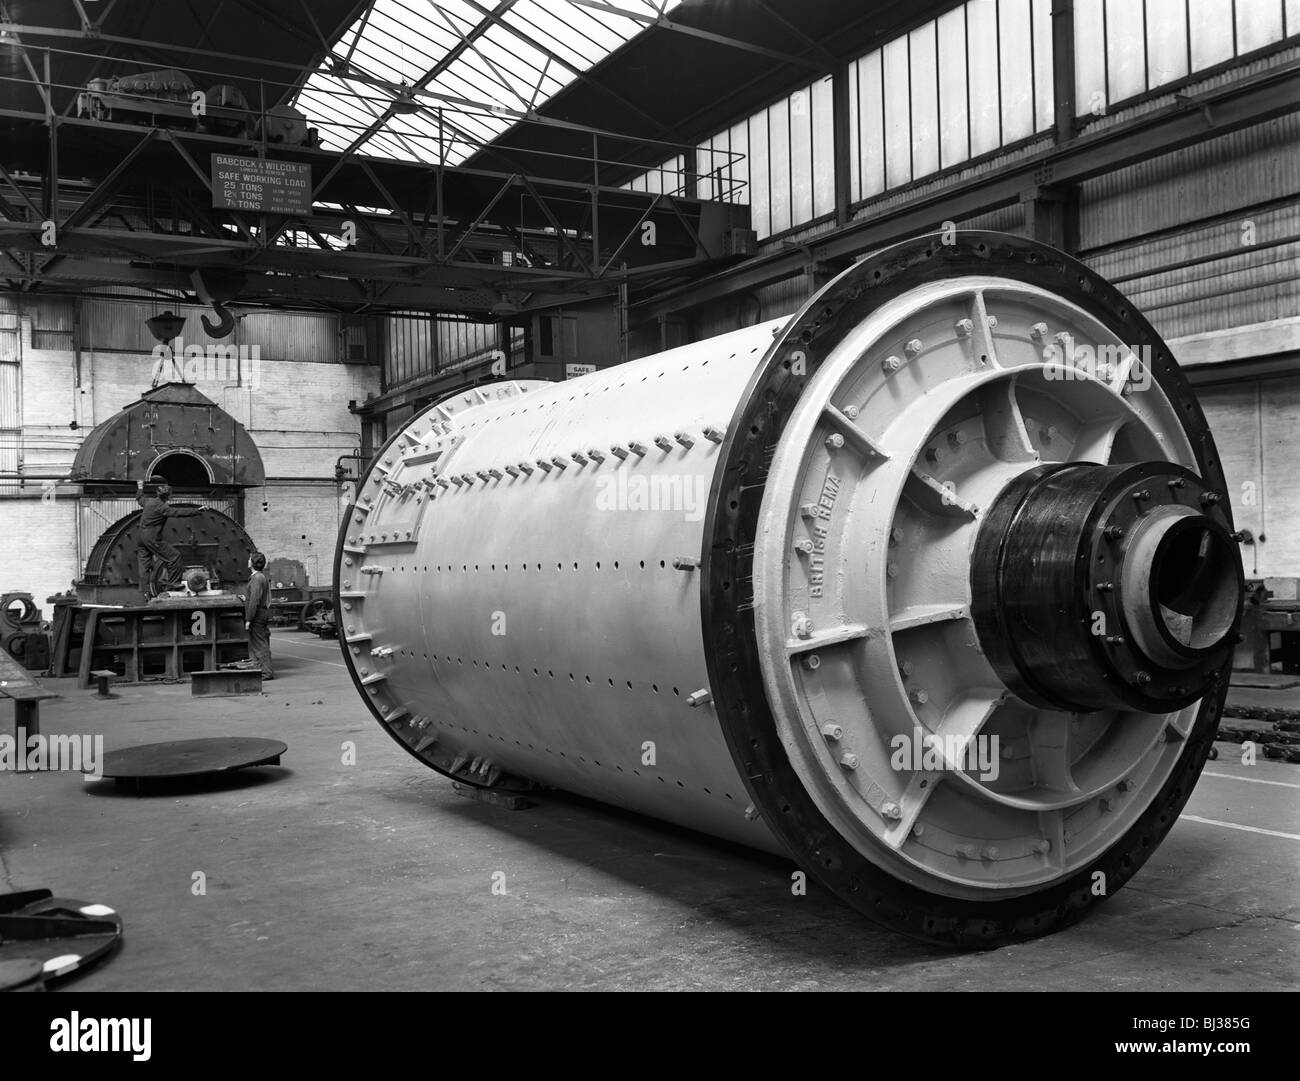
580,457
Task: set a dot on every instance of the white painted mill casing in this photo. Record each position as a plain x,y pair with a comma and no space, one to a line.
931,587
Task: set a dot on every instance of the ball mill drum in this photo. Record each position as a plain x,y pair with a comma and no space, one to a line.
931,587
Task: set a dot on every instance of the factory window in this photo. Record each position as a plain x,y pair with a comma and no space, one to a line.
1123,49
780,161
11,409
666,179
976,79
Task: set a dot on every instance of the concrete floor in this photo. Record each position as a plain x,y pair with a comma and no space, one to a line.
378,875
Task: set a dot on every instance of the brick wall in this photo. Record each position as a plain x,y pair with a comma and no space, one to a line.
295,411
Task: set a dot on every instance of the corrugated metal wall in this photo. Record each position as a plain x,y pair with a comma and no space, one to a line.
119,327
420,345
1206,238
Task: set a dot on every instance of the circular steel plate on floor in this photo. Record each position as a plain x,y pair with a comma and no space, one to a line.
190,758
59,935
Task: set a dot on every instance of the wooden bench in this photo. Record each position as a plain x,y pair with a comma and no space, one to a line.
103,678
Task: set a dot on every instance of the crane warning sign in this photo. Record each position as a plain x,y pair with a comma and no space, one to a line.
268,187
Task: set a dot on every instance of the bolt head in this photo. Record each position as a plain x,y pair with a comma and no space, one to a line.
849,760
835,441
832,731
891,364
912,347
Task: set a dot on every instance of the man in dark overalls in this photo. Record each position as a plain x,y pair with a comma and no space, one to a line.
154,554
257,617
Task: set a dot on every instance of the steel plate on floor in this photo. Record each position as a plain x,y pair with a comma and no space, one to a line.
61,935
191,758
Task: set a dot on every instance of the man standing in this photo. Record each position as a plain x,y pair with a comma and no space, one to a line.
155,555
257,617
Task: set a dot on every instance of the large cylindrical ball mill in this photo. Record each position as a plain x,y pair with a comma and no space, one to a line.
931,587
